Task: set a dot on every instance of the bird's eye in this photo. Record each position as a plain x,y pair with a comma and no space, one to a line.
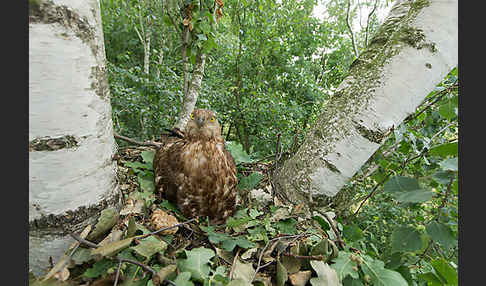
212,119
192,115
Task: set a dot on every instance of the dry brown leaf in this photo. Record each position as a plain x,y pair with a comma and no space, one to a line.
186,21
62,275
300,278
161,219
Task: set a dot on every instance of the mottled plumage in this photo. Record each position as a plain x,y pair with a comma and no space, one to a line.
196,172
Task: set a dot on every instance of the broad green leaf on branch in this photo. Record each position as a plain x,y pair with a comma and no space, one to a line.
352,232
416,196
445,271
344,266
325,274
406,190
379,275
449,164
441,233
448,110
406,239
197,263
444,150
443,177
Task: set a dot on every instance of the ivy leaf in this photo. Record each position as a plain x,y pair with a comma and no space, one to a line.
197,263
406,239
441,233
147,248
148,157
287,226
243,271
238,153
344,266
325,274
250,182
98,268
183,279
379,275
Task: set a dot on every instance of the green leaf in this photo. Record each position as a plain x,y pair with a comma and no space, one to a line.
443,177
444,150
250,182
99,268
243,271
399,184
406,239
197,263
81,255
183,279
148,157
449,164
379,275
441,233
431,278
238,153
325,274
106,221
287,226
282,275
147,248
146,182
444,270
416,196
448,109
322,222
112,248
406,190
344,266
352,232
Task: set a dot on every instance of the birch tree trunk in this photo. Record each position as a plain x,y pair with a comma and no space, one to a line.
71,144
190,97
410,54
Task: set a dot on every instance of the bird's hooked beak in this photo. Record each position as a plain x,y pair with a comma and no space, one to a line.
200,122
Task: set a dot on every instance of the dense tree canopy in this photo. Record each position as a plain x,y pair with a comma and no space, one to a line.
271,65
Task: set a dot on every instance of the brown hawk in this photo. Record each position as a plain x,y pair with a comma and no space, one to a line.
196,172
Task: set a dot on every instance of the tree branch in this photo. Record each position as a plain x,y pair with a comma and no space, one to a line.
348,24
148,143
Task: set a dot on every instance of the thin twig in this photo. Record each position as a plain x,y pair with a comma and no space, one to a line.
145,267
372,193
166,228
339,239
117,273
311,257
83,241
355,49
259,266
148,143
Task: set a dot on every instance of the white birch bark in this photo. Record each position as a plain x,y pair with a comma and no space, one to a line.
411,53
190,98
71,171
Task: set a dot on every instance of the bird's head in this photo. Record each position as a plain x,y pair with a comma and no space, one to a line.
202,125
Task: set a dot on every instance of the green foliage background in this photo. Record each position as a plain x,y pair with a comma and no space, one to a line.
271,67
